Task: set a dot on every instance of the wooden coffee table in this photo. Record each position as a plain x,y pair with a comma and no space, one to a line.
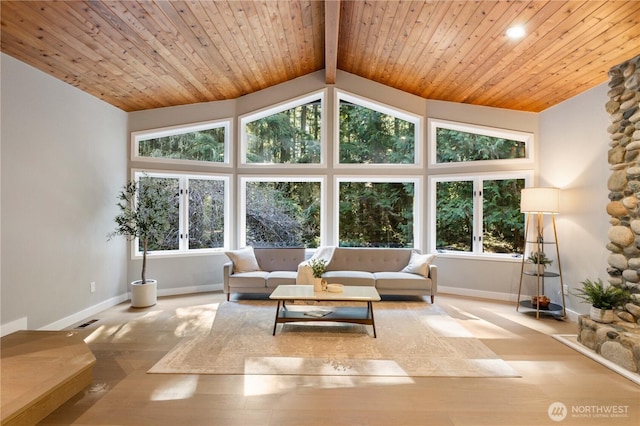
350,314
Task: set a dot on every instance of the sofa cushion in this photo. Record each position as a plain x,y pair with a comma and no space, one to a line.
349,278
276,278
401,280
244,260
419,264
279,259
369,259
249,279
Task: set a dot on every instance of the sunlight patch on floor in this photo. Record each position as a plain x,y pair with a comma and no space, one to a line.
176,388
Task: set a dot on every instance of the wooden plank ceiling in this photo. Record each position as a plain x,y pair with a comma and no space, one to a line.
140,54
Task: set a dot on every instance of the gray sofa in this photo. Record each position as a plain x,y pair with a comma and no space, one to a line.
384,268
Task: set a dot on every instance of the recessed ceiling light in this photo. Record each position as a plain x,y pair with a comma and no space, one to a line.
515,32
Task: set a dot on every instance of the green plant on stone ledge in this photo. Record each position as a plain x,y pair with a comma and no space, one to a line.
599,296
318,266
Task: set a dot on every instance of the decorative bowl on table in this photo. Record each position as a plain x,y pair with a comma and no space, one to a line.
541,301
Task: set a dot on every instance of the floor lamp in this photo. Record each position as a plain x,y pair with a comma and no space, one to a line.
536,203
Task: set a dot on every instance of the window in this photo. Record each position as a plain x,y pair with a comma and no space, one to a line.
478,214
281,212
459,144
370,133
378,212
202,142
197,219
288,134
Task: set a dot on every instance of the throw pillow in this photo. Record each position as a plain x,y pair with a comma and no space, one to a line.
419,264
244,260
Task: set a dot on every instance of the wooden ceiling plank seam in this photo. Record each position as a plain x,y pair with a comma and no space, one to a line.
563,82
331,31
410,68
345,41
484,22
378,36
503,15
318,36
521,57
433,49
43,46
260,74
164,32
295,17
618,28
461,29
313,26
278,62
181,16
362,34
287,34
497,45
552,41
231,51
174,59
107,20
397,37
237,45
387,34
264,56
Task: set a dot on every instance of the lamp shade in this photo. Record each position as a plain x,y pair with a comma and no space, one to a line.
540,200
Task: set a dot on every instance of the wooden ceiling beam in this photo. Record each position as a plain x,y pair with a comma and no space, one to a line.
331,33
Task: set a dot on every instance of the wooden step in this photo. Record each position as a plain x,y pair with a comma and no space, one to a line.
41,370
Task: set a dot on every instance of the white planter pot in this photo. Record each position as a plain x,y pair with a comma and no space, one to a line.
598,315
144,295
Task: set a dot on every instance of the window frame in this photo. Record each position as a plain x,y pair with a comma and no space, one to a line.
478,212
435,123
242,201
142,135
183,226
320,95
380,107
417,201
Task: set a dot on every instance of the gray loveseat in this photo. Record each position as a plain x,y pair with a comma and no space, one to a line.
393,271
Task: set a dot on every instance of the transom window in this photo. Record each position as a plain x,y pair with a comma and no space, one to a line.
192,143
464,144
372,133
287,134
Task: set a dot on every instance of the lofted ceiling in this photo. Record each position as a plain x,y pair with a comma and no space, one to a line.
144,54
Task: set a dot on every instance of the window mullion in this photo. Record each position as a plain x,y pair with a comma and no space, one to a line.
184,214
477,216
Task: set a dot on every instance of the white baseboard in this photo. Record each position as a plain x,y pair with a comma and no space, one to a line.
96,309
508,297
10,327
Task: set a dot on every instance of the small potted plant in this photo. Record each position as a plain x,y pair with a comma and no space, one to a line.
540,260
603,299
143,215
318,267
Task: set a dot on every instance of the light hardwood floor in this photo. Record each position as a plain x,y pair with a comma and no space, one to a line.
132,340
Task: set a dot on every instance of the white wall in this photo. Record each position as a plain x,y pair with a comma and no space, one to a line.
63,161
573,157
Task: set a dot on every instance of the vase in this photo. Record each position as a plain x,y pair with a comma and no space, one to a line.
599,315
144,295
317,284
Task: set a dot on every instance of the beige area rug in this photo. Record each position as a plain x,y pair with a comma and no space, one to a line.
414,339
